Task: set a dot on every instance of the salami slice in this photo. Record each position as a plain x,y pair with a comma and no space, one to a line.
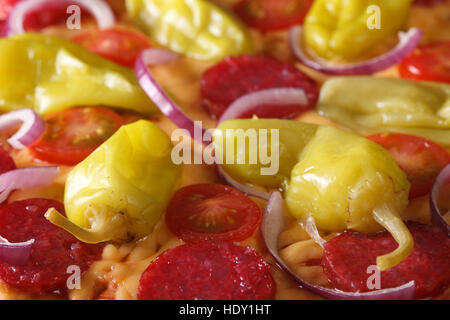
53,251
236,76
207,271
348,256
6,162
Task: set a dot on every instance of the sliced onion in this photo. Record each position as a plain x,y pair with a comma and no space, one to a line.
25,178
244,188
32,127
154,91
279,96
15,253
442,181
99,9
408,42
272,225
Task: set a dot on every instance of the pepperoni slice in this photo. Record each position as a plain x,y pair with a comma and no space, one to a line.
207,270
234,77
6,162
347,257
53,251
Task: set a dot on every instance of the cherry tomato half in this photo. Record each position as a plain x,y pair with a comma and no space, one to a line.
119,45
267,15
212,212
430,62
72,134
419,158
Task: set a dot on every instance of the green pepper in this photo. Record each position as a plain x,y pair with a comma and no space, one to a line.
347,29
122,189
196,28
371,105
51,74
340,179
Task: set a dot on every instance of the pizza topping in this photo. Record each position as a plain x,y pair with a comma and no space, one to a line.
407,42
440,200
267,15
18,15
154,91
207,271
15,253
350,29
212,212
251,102
31,128
56,74
6,162
350,182
348,256
427,2
119,45
419,158
271,227
25,178
120,191
206,33
72,134
370,105
52,252
235,77
430,63
248,190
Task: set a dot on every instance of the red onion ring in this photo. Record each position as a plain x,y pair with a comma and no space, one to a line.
244,188
15,253
25,178
98,8
272,225
408,42
154,91
32,127
442,181
279,96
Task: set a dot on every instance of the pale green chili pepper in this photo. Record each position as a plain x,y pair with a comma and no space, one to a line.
371,105
51,74
340,179
347,29
122,189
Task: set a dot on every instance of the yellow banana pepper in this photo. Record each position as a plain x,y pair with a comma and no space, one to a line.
347,29
122,189
196,28
51,74
340,179
371,105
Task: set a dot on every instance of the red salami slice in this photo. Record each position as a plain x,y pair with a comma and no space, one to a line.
6,162
348,256
207,271
236,76
53,251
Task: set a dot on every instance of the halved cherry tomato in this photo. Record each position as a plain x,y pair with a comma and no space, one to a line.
72,134
119,45
430,62
212,212
419,158
267,15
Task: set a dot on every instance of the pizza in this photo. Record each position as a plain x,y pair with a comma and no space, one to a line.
224,150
